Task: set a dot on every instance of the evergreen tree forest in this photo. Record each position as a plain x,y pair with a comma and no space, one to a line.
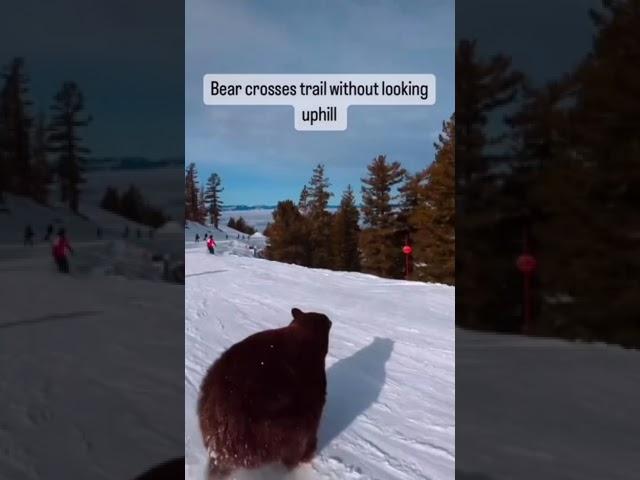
202,202
37,153
397,209
132,205
558,179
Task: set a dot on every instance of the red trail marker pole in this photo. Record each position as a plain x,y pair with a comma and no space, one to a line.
527,264
407,250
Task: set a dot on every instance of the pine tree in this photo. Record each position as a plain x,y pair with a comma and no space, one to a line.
132,204
380,241
111,200
481,87
346,255
191,193
40,171
589,191
303,203
64,141
241,225
16,125
410,198
212,196
288,235
488,237
202,207
318,196
231,223
433,218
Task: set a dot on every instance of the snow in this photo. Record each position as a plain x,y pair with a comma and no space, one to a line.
390,368
535,408
228,240
88,361
81,376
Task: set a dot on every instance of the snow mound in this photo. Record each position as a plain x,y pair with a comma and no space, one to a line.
390,369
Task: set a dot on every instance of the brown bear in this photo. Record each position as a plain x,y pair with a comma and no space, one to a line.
262,400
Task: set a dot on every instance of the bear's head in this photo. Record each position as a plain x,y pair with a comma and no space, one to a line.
315,324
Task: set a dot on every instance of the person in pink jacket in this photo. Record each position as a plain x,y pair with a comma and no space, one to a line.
60,251
211,245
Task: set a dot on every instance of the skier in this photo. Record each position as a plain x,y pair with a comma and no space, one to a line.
28,235
205,236
211,244
61,248
197,237
47,236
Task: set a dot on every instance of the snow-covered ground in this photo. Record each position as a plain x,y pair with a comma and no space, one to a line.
534,408
88,369
228,240
91,363
390,368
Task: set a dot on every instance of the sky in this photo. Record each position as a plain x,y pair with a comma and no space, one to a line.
256,151
562,44
126,57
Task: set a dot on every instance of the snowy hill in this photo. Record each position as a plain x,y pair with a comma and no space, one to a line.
228,240
87,333
108,253
390,368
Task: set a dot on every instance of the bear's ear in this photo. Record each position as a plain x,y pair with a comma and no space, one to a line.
296,313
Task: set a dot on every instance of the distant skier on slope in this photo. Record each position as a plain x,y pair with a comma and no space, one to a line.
61,248
28,235
197,237
211,245
47,236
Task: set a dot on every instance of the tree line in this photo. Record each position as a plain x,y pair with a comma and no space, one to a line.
202,203
560,180
397,208
132,205
37,152
241,225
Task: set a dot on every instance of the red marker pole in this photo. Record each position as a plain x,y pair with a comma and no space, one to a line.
527,264
407,250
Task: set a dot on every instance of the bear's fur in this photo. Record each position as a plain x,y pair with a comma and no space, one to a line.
262,400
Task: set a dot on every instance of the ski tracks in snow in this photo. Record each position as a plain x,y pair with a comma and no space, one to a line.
390,369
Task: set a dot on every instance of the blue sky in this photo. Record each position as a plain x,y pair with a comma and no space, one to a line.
126,57
256,150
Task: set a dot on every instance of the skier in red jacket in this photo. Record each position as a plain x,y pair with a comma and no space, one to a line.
61,248
211,245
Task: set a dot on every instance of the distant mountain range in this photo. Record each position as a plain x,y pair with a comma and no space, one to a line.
132,163
240,208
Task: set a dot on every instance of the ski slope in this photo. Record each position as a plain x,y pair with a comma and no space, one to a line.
542,408
86,357
390,368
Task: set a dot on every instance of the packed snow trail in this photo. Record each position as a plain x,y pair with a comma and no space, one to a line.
88,365
542,408
390,368
89,360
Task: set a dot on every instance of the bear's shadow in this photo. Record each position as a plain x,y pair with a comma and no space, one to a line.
353,385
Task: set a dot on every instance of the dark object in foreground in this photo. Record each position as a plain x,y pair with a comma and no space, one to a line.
170,470
262,400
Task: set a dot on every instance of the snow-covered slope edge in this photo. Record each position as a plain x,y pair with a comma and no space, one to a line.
390,367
